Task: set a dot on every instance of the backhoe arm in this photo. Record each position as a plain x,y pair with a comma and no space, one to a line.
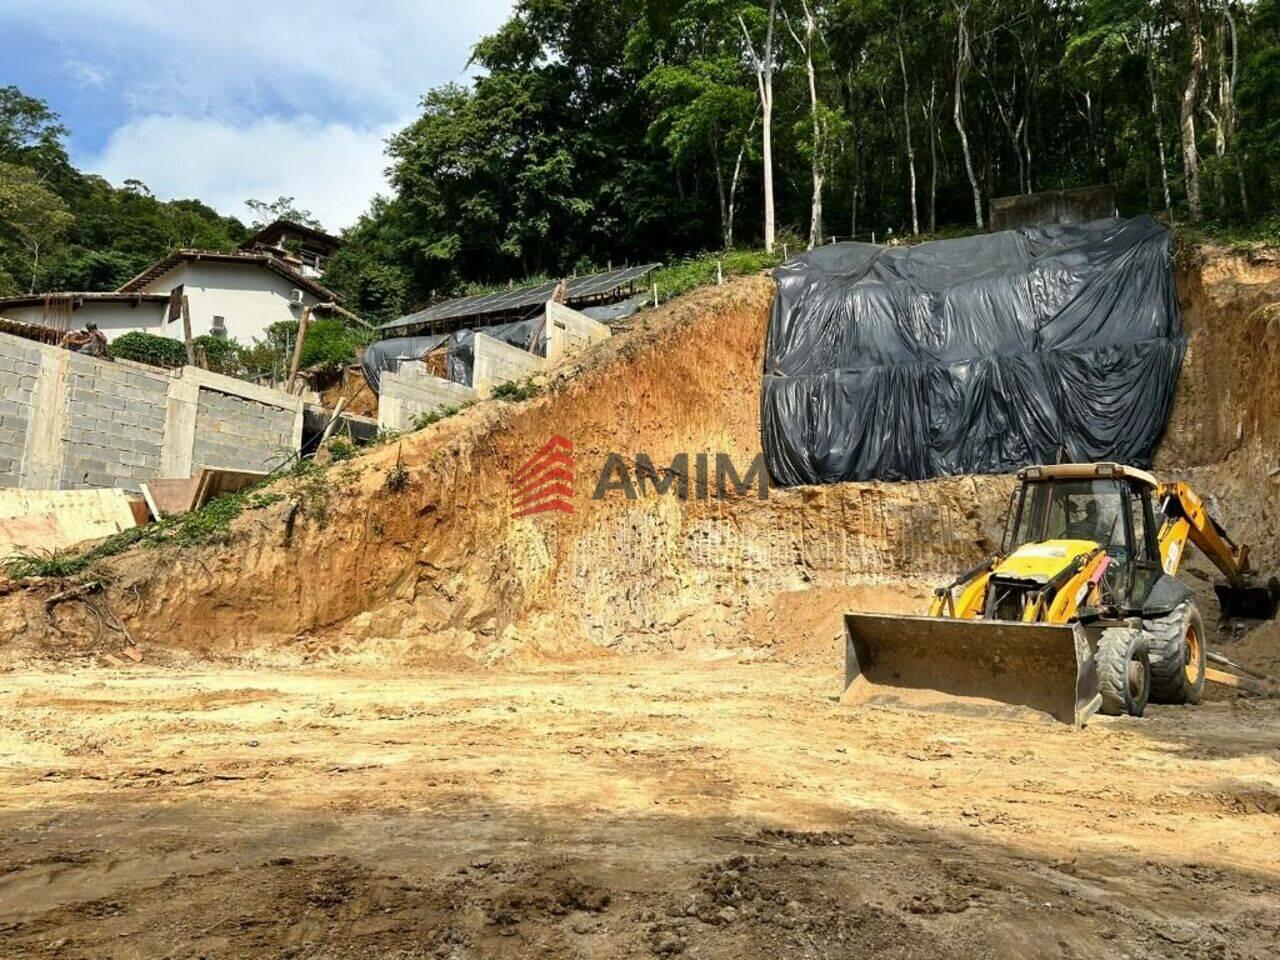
1187,518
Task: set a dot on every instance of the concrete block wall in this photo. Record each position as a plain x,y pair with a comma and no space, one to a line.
497,362
239,434
74,422
570,332
113,425
406,394
19,373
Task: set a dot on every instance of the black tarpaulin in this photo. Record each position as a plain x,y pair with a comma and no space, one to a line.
977,355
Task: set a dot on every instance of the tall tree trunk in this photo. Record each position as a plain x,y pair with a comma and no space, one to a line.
1231,105
764,82
35,265
1190,98
720,194
1155,114
962,63
806,47
931,117
733,185
906,123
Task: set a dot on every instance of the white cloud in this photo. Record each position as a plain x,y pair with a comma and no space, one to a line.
215,100
331,169
232,56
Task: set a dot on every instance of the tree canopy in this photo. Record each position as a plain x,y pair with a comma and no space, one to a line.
613,130
61,229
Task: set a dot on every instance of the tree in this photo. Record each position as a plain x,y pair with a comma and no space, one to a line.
963,62
35,215
763,63
282,208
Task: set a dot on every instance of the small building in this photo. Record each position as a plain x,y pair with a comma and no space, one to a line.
271,278
304,248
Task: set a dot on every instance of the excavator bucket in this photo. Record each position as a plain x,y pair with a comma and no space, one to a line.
1249,601
964,665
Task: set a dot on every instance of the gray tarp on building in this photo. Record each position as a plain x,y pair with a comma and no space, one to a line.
977,355
387,355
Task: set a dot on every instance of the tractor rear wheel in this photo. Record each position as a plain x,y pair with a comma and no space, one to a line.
1176,644
1124,671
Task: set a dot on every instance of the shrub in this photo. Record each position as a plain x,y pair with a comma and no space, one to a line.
515,391
148,348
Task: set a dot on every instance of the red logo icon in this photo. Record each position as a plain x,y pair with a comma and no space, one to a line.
545,482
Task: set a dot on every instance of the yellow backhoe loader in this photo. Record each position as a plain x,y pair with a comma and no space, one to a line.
1078,612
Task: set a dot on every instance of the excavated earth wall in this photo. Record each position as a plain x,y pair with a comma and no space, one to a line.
440,570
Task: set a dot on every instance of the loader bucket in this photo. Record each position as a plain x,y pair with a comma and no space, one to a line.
1249,601
964,665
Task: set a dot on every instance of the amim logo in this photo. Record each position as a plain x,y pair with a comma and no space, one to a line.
545,482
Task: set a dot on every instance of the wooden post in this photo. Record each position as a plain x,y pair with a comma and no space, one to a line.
719,273
186,331
297,348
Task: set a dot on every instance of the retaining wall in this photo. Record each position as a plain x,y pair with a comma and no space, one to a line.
497,362
74,422
411,391
570,332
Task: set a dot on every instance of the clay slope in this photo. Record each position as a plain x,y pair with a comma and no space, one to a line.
442,571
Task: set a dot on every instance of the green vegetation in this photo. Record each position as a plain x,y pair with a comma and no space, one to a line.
331,342
426,419
340,448
511,390
210,524
216,353
685,275
42,563
617,131
61,229
397,480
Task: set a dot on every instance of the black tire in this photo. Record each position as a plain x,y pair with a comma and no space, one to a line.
1176,644
1124,672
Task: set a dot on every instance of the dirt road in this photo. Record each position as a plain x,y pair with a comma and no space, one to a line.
617,808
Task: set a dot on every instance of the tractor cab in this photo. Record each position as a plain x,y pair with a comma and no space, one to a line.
1061,517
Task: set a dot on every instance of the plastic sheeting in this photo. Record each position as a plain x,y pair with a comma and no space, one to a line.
978,355
387,355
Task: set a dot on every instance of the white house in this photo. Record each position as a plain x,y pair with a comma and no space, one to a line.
271,278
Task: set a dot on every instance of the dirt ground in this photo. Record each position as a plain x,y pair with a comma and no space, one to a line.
378,721
617,808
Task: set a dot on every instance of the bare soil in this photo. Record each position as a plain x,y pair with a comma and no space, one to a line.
635,807
382,722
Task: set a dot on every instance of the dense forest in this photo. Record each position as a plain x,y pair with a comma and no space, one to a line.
61,229
600,131
614,130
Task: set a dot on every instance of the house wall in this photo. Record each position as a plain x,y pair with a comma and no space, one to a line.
74,422
112,317
249,297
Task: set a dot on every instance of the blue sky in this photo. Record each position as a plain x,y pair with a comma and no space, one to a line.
227,99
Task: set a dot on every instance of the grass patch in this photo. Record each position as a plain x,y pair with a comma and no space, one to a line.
423,420
42,563
700,271
512,390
